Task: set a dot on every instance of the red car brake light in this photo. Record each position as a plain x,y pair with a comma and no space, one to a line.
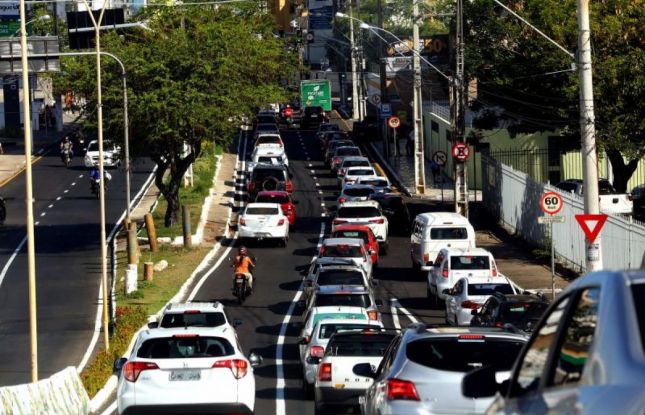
132,370
324,373
372,315
379,221
444,273
281,222
341,200
238,367
469,305
401,390
242,221
317,351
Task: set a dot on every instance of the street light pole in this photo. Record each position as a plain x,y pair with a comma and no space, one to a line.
419,157
383,83
356,114
458,116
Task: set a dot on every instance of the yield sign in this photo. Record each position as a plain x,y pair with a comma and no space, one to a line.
591,225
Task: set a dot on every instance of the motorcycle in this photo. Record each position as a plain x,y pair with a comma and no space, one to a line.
241,290
66,157
95,184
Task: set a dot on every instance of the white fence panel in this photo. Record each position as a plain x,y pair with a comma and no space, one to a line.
513,199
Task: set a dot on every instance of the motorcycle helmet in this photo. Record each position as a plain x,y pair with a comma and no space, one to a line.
243,251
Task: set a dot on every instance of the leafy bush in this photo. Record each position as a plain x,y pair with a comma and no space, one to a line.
128,321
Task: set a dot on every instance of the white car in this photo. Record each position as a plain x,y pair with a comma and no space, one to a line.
267,155
316,314
611,202
350,275
268,140
354,173
186,370
469,294
355,193
380,183
111,154
453,264
366,212
264,221
346,251
351,162
194,314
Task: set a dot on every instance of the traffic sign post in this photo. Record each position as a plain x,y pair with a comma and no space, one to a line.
460,152
591,226
440,158
394,122
551,203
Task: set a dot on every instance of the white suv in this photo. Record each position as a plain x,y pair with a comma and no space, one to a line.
194,314
264,220
366,212
186,370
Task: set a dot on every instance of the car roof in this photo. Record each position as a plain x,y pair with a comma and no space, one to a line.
272,193
466,252
220,331
442,218
355,158
194,305
341,267
360,203
342,289
268,151
342,241
357,186
259,204
345,147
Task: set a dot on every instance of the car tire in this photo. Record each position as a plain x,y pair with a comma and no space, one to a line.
320,409
307,389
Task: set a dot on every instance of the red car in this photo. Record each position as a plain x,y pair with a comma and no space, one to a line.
281,197
361,232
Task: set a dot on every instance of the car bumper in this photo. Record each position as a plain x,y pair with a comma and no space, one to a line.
215,408
263,234
330,396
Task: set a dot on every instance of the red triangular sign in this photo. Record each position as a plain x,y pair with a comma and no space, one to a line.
591,225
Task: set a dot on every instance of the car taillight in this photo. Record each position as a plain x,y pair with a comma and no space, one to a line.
469,304
317,351
444,273
379,221
250,187
426,258
338,221
498,324
281,222
131,370
372,315
341,172
289,186
341,200
324,373
322,251
336,160
494,270
401,389
242,221
238,367
630,197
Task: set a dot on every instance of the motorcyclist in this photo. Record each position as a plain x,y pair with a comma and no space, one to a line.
287,112
67,146
95,176
243,265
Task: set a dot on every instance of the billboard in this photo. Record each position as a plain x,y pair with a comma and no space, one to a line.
436,49
316,93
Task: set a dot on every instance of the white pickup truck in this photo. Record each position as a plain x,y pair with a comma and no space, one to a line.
611,202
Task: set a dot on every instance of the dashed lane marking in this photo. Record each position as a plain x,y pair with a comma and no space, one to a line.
395,303
73,183
395,315
43,214
50,206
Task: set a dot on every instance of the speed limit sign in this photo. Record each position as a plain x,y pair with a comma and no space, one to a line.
551,203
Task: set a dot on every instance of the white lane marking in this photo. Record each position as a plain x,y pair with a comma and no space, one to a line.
110,409
323,214
320,192
317,184
81,176
43,214
66,191
313,171
310,165
395,315
395,303
280,403
58,198
50,206
73,183
322,204
13,256
36,223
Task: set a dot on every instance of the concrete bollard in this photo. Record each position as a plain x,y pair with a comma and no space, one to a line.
152,232
133,245
185,221
148,271
131,279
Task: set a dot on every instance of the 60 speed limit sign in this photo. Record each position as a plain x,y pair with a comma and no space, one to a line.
551,203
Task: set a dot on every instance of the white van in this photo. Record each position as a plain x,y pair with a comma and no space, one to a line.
436,230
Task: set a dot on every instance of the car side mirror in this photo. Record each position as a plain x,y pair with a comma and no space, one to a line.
303,340
255,360
447,291
365,369
153,324
237,322
118,364
474,312
480,383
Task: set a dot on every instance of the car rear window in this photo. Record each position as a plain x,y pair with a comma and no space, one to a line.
605,188
272,199
463,355
448,233
349,300
261,211
469,262
355,163
199,319
269,160
354,212
638,293
262,119
369,344
327,330
261,174
266,127
328,127
374,182
489,289
344,152
185,347
268,139
339,316
359,192
361,172
340,143
342,251
352,234
339,277
518,313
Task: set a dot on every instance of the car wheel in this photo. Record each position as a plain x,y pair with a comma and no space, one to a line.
320,410
307,389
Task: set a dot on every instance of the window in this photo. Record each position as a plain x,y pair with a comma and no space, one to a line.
353,234
342,251
489,289
192,320
535,360
578,338
327,330
349,300
638,293
337,277
359,191
355,163
469,262
358,212
261,211
372,345
388,358
448,233
418,229
185,348
345,152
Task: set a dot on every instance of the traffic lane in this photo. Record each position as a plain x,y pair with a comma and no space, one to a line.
277,281
68,273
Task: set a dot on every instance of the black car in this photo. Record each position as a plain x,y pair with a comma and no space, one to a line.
312,117
522,311
395,210
269,177
3,211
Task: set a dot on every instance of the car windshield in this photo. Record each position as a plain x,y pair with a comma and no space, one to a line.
349,300
358,192
469,262
517,313
352,234
327,330
356,163
448,233
489,289
261,174
354,212
266,127
264,119
345,152
185,347
342,251
192,319
463,355
339,277
94,146
360,344
360,172
272,199
261,211
268,139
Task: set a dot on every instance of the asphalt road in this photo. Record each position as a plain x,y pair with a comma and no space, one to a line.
68,269
271,315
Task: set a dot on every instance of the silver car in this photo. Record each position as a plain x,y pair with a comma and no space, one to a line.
422,369
585,356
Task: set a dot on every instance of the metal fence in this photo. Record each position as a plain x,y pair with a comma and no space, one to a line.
513,197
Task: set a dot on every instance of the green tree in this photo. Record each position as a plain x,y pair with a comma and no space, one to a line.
515,68
196,71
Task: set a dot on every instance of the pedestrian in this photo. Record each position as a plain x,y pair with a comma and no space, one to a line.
435,168
409,144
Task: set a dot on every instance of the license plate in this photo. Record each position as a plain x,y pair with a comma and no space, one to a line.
239,280
361,400
184,375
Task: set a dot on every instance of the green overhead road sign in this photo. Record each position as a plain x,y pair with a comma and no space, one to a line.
316,93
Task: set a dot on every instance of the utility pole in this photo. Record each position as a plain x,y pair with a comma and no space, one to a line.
458,113
356,113
382,76
588,132
419,158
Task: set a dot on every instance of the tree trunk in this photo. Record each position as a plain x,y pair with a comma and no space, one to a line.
622,172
